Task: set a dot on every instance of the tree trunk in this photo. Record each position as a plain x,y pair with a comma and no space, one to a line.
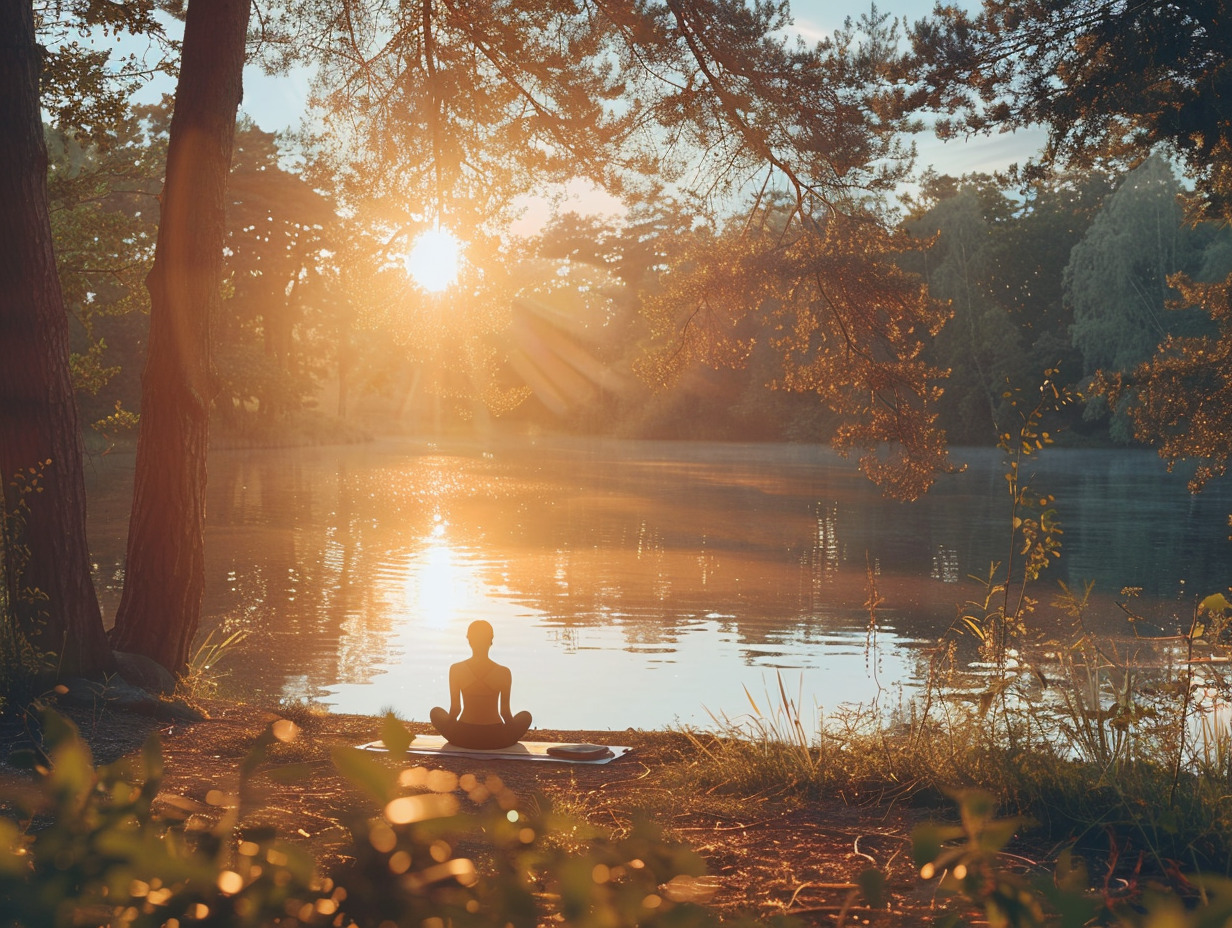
47,566
164,577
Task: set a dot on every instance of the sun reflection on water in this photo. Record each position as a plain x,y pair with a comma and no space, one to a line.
441,586
618,612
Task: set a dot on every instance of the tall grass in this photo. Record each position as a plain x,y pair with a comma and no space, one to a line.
203,677
1117,787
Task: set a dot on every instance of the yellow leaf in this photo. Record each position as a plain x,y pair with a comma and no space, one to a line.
1215,604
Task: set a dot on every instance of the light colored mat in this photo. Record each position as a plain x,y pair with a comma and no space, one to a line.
523,750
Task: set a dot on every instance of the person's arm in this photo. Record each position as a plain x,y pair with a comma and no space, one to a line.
506,686
455,693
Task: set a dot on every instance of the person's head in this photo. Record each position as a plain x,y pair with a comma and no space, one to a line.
479,633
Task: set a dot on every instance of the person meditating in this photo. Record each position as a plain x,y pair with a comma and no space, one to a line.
479,715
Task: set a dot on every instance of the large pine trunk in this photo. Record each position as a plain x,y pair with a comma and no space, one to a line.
164,576
47,565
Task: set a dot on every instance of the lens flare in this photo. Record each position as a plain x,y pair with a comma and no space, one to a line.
434,260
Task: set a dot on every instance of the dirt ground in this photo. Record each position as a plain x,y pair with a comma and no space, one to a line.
768,856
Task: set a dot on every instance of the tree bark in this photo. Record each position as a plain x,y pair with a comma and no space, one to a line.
47,567
164,578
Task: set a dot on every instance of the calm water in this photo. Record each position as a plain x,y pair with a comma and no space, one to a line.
637,584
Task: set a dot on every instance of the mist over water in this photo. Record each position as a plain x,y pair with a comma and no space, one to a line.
640,584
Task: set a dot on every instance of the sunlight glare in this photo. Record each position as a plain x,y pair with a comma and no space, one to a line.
434,260
440,583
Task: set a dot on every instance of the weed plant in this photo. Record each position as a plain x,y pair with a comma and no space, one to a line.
967,862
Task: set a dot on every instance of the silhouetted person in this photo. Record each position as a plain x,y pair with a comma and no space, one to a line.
479,715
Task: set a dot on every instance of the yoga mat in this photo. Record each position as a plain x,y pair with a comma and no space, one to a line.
523,750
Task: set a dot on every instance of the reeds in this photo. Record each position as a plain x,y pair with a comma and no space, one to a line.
202,677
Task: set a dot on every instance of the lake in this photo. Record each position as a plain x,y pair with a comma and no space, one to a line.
639,584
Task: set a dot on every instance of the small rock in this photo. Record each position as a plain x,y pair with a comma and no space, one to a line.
145,672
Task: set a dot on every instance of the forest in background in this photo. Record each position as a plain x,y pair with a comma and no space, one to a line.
319,321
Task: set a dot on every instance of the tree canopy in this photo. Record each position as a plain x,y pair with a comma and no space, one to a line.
444,105
1113,82
86,86
1110,80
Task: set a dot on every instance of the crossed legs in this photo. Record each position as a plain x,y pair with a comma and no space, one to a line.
483,737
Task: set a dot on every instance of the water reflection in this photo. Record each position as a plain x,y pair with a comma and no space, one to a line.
821,559
649,582
945,564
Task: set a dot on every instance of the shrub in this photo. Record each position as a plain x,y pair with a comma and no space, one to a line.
21,608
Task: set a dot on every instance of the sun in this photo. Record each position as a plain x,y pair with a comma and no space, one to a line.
434,259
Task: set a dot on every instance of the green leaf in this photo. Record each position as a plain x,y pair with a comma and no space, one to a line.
1071,875
927,840
57,730
1215,604
11,841
978,805
997,834
72,767
257,753
395,736
368,771
872,885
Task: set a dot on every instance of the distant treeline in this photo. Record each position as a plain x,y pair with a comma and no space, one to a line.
319,323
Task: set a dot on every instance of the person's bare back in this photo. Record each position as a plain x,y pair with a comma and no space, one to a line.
484,687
